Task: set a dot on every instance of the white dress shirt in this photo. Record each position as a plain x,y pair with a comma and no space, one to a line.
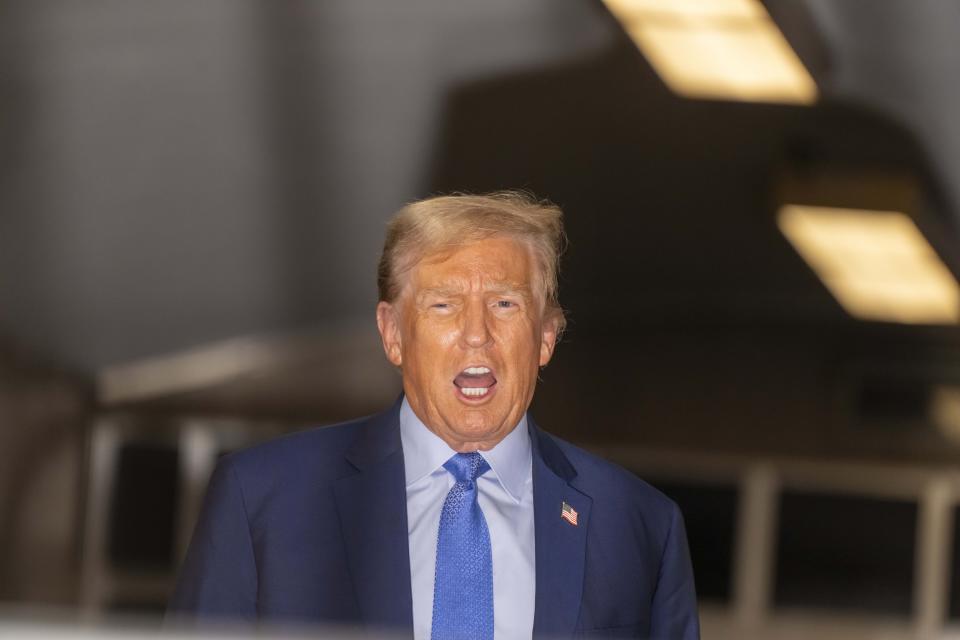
506,498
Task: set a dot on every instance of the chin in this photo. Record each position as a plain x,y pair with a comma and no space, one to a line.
478,422
474,433
489,429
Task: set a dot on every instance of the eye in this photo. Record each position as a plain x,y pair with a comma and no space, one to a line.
506,304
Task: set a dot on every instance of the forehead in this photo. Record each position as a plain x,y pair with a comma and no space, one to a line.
492,261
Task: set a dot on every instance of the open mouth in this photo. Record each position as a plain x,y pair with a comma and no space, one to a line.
475,382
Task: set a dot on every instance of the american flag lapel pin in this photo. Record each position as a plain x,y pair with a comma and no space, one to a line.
569,514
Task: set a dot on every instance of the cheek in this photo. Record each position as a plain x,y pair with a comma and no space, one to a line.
522,345
438,337
431,344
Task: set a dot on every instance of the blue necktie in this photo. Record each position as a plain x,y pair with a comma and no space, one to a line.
463,587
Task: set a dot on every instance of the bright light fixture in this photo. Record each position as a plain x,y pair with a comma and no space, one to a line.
944,411
877,264
726,49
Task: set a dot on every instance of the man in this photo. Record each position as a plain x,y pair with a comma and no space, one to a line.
451,515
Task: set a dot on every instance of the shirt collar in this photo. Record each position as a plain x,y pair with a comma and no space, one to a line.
424,452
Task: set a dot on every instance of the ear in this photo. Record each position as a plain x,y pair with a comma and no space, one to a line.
549,331
389,326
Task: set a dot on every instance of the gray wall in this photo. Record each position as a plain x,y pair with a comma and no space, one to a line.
180,172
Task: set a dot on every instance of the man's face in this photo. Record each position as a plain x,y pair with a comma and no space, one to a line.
469,334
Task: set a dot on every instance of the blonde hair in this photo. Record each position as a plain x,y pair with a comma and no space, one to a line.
443,223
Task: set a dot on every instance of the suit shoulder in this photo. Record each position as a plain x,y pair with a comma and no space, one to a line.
319,448
612,481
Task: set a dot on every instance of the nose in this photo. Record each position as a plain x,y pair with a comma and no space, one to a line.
476,333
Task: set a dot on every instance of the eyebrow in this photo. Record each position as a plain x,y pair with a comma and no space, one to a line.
515,289
502,289
442,292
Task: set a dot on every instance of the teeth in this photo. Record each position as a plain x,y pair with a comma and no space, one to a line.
476,392
476,370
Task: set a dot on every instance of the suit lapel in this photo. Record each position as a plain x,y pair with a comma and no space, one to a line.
560,545
372,506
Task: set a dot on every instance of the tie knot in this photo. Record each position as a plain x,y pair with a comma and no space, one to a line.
466,467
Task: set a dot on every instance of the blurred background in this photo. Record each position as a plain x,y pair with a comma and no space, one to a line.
762,202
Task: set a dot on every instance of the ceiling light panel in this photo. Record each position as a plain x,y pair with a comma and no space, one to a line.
723,49
687,8
877,264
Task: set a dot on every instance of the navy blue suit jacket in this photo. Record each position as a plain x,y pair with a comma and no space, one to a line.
312,528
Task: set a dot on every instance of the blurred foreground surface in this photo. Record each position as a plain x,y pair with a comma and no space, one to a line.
784,628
